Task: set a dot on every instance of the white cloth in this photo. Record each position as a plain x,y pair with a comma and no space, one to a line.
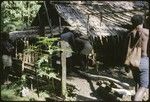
7,61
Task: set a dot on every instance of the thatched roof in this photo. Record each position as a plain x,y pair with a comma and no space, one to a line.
114,15
105,17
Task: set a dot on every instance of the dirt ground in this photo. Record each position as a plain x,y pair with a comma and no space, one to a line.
88,90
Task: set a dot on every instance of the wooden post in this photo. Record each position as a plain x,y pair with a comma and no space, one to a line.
41,24
144,14
88,37
27,24
63,63
88,25
59,24
23,60
16,50
101,18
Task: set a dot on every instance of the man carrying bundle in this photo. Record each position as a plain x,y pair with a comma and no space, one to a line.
137,55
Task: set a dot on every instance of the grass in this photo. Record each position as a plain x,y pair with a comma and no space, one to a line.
12,93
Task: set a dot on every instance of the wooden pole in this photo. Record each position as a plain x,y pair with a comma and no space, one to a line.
88,37
88,25
28,14
16,50
48,18
59,24
63,63
41,25
101,18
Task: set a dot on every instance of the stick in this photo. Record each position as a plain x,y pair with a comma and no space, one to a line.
124,91
96,77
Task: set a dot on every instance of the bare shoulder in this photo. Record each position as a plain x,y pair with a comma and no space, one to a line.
146,31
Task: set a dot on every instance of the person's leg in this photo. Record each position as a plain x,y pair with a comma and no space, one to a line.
135,73
4,60
144,79
7,61
86,62
127,69
3,75
6,74
83,63
139,94
136,87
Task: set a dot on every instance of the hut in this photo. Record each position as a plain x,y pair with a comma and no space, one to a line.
105,22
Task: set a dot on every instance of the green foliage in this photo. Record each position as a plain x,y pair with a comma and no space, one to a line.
48,42
44,68
16,15
31,48
23,81
12,91
43,65
9,95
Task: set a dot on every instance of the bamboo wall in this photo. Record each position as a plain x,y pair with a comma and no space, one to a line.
111,49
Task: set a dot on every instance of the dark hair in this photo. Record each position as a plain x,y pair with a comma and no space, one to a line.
137,20
66,30
5,35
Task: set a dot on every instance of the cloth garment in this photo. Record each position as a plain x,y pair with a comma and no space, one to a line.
7,61
141,75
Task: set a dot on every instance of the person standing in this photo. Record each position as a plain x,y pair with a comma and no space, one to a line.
6,51
140,74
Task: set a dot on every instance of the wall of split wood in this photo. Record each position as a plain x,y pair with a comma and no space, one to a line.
111,49
28,59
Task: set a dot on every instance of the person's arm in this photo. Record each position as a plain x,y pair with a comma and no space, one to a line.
1,48
148,45
79,44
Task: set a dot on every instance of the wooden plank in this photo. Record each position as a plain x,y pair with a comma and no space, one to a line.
63,63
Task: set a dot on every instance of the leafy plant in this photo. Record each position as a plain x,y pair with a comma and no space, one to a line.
17,15
44,47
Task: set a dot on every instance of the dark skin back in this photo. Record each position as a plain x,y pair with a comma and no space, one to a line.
144,33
